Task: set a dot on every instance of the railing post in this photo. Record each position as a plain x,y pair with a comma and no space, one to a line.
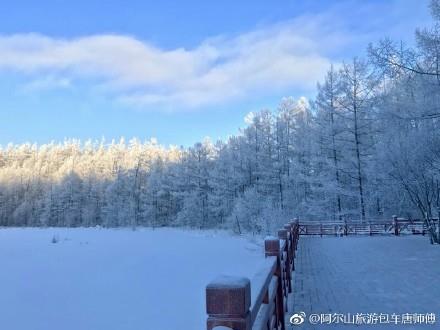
438,230
228,300
293,225
284,234
272,248
296,235
396,225
289,228
292,246
296,221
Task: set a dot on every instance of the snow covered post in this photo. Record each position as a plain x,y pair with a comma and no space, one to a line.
285,235
438,225
438,231
289,235
291,250
272,248
295,236
228,300
396,225
292,239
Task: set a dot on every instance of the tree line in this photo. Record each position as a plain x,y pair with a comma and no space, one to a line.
367,147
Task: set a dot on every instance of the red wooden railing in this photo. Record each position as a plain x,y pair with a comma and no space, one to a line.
241,304
395,226
238,303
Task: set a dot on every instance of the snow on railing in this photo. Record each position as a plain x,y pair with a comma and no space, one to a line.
241,304
395,226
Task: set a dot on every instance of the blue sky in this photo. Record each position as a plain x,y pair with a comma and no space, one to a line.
174,70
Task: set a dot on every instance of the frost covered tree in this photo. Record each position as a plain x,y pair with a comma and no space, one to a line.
329,146
366,147
356,100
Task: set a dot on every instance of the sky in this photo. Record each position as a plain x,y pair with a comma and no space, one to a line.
178,71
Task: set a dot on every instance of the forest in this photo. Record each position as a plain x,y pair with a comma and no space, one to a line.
366,147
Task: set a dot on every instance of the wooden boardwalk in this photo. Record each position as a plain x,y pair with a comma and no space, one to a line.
351,270
366,275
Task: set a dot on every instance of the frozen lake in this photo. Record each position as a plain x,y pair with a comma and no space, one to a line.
105,279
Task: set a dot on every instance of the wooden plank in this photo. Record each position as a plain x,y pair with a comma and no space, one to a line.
260,285
266,311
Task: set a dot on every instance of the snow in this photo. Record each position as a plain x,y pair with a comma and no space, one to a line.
226,281
114,279
367,275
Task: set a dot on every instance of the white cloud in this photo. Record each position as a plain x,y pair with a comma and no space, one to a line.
46,83
292,55
135,72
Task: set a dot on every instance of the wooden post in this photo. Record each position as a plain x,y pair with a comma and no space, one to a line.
284,234
291,242
396,225
295,233
272,248
288,227
296,236
438,224
438,230
228,300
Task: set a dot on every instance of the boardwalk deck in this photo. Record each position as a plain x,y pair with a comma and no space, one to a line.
365,275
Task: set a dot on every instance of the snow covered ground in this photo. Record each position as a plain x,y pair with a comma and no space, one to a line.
101,279
368,275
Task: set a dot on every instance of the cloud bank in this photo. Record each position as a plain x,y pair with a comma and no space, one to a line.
292,55
138,73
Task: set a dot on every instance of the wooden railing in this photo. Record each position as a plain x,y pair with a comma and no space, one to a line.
395,226
242,304
239,303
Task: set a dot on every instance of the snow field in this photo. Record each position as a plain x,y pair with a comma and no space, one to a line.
115,279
